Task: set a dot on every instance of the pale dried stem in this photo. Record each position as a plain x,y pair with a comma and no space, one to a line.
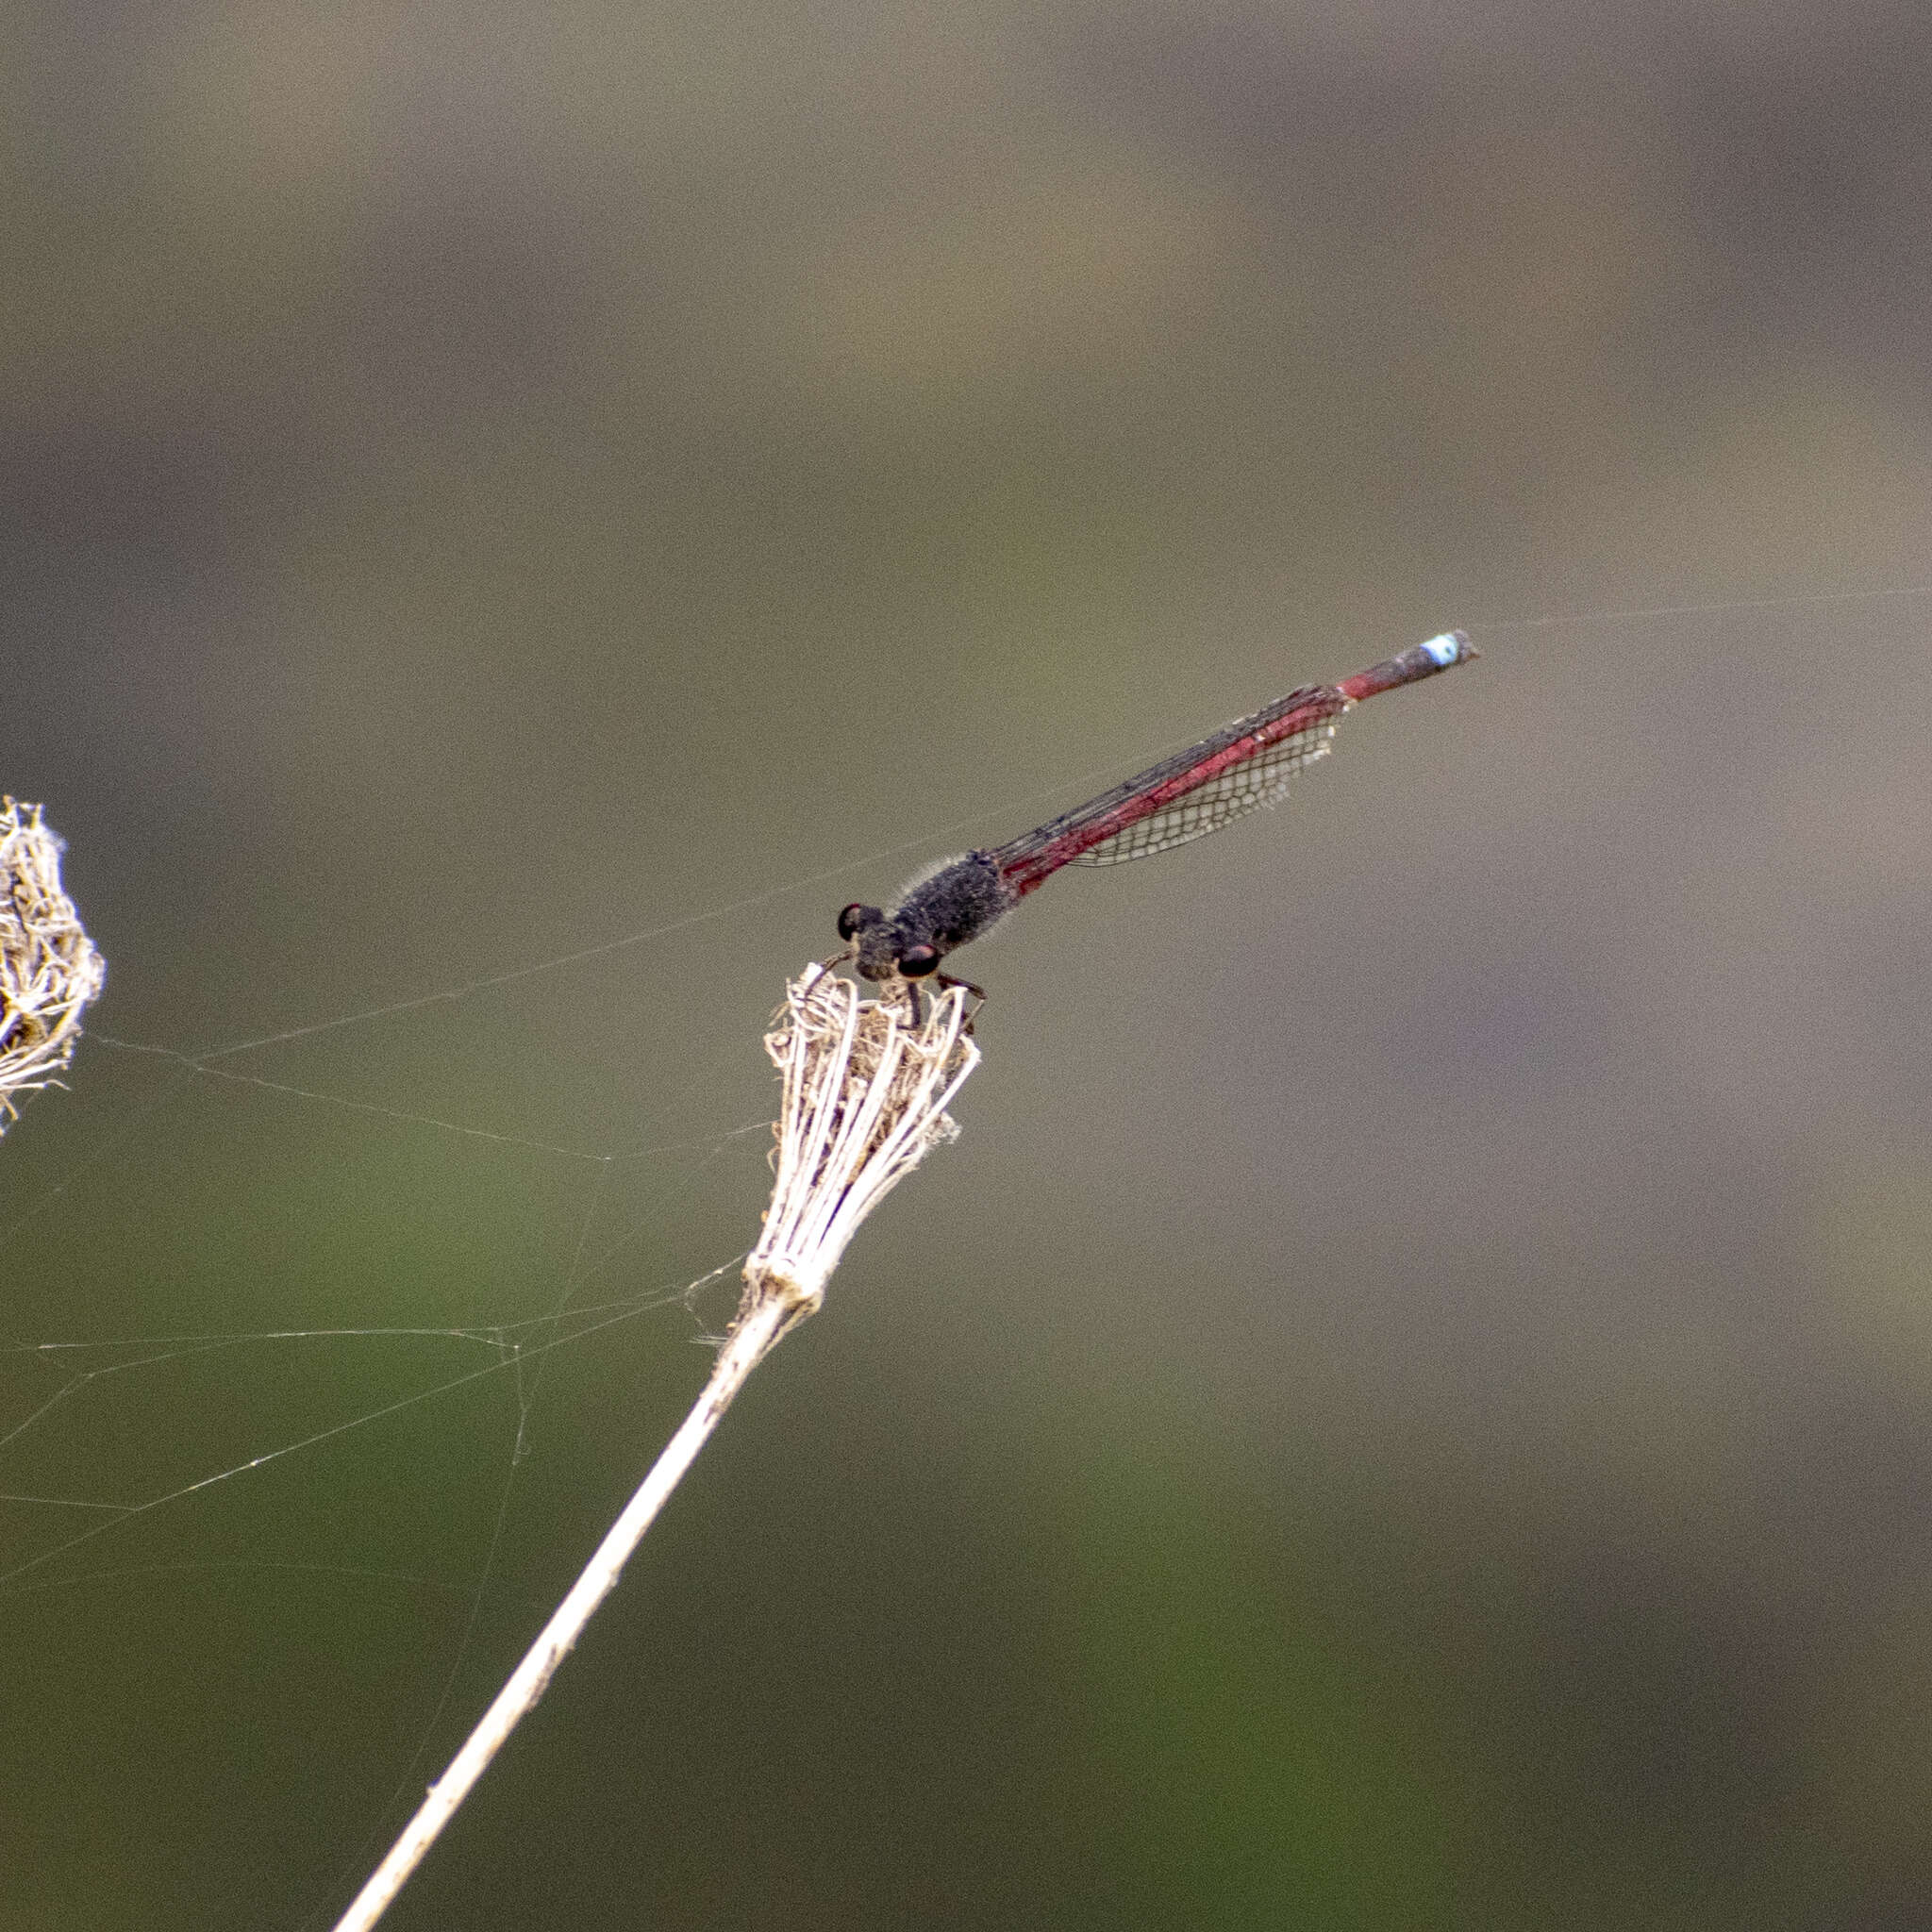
49,969
864,1098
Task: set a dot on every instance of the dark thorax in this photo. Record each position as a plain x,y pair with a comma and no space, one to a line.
954,904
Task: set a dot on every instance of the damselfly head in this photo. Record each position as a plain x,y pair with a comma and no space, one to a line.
876,940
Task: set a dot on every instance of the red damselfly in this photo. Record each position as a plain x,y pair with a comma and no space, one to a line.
1245,764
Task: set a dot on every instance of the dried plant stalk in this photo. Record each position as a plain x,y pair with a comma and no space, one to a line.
49,969
864,1099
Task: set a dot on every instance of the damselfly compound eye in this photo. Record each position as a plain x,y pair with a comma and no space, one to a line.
850,919
915,962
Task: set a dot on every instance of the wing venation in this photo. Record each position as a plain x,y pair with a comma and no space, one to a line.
1244,787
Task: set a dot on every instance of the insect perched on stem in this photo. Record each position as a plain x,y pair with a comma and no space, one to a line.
1245,764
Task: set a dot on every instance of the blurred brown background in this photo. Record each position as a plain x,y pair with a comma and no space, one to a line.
1409,1406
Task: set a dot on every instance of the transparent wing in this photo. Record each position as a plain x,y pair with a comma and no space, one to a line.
1212,784
1262,780
1185,796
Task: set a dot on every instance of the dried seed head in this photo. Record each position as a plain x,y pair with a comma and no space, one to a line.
865,1094
48,967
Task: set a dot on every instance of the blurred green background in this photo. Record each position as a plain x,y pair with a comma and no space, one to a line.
1409,1404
